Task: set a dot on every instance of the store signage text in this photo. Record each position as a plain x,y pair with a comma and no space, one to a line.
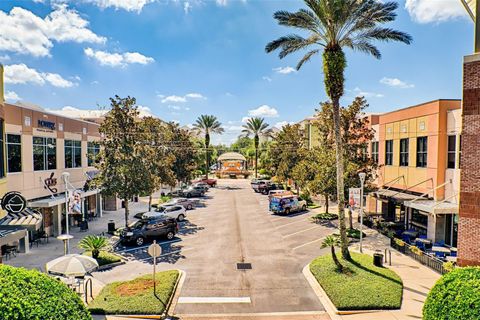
46,124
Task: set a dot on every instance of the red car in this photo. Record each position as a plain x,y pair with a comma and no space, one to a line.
210,182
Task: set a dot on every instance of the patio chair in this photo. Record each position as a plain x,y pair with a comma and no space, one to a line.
420,245
440,255
406,238
423,236
453,253
439,243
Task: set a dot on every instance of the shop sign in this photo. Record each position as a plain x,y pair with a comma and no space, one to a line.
46,124
50,183
14,202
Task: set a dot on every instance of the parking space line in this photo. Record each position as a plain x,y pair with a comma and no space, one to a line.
166,254
292,234
287,224
292,216
146,246
214,300
306,244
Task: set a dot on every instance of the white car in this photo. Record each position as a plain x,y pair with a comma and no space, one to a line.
188,204
177,212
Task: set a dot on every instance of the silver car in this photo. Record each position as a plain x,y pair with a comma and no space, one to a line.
188,204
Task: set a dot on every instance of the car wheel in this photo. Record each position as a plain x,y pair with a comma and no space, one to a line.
180,217
304,208
287,211
170,235
140,241
189,207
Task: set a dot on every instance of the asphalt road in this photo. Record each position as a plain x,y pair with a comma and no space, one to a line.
234,226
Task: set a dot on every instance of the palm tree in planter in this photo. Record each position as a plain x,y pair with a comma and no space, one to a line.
333,241
257,127
332,26
94,243
207,124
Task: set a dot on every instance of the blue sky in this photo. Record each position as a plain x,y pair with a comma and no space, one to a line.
183,58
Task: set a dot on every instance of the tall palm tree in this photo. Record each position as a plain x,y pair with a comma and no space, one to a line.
256,127
333,25
207,125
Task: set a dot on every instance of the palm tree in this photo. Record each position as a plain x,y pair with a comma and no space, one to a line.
94,243
256,127
333,25
333,241
207,124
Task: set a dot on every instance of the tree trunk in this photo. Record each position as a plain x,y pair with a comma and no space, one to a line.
150,203
335,260
127,212
333,67
256,140
350,218
207,156
326,203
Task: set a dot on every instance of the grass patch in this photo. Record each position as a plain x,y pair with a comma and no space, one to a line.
105,257
135,296
313,206
362,287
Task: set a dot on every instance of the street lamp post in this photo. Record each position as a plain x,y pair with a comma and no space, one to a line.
65,177
362,181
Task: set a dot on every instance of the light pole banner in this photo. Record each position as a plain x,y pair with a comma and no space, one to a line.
354,197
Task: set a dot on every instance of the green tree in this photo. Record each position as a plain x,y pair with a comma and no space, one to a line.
122,171
333,241
332,26
257,127
180,143
94,243
207,125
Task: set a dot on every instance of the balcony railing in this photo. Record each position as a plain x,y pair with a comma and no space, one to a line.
425,259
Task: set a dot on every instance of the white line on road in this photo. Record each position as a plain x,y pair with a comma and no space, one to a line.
292,234
214,300
306,244
166,254
287,224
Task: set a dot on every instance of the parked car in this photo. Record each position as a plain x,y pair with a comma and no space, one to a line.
144,229
259,184
265,188
176,193
193,192
176,212
210,182
202,185
279,192
287,204
188,204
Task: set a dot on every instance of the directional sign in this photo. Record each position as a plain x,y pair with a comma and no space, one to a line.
154,250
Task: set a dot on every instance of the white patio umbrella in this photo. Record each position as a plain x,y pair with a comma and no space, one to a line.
72,265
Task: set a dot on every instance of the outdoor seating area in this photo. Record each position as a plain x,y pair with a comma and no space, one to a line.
37,237
9,251
436,249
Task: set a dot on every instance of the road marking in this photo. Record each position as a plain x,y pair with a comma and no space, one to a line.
260,314
287,224
214,300
146,246
292,234
306,244
166,254
291,216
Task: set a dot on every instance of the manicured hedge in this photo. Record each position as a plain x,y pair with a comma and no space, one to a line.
29,294
455,296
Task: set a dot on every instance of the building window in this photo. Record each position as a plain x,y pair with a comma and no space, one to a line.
14,153
389,152
451,229
93,149
375,151
404,152
73,154
44,153
452,152
2,155
422,152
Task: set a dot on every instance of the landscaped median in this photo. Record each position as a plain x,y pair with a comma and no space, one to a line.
361,286
136,296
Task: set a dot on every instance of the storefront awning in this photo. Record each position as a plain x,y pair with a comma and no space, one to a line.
399,197
28,218
10,234
433,207
58,199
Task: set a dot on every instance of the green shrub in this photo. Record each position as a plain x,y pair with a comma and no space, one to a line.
324,216
399,242
164,199
105,257
306,196
449,266
355,233
416,250
29,294
455,296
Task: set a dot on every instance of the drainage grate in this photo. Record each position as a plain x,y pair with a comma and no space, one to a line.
244,266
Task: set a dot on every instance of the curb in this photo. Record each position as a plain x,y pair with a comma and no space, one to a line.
330,308
110,265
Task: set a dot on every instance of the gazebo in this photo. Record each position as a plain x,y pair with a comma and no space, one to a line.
232,165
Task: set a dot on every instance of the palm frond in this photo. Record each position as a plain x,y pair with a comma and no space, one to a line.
306,58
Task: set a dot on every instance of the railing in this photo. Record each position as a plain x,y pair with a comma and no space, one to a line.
425,259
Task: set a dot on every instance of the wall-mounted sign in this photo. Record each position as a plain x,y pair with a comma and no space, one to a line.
46,124
14,202
50,183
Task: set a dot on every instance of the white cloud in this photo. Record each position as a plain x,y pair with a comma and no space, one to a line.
12,96
73,112
26,33
175,107
22,74
181,99
222,2
245,119
234,128
117,59
267,78
281,124
426,11
187,7
395,82
129,5
284,70
367,94
263,111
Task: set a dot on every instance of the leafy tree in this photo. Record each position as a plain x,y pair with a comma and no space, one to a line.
122,171
94,243
256,127
207,124
180,143
331,26
333,241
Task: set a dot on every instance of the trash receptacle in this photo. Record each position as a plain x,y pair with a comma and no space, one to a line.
378,259
111,227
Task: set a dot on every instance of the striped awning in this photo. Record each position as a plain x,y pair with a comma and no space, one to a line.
27,217
471,7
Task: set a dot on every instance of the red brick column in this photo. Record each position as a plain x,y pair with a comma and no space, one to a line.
469,217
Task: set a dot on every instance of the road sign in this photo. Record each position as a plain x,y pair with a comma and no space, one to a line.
354,197
154,250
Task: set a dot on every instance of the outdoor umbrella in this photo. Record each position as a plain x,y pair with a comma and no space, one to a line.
72,265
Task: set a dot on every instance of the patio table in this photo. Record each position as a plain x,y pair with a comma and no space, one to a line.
426,241
440,249
453,249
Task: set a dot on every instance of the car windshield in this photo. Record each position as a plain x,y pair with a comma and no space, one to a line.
137,224
160,209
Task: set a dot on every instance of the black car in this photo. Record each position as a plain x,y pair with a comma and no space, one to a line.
265,188
144,229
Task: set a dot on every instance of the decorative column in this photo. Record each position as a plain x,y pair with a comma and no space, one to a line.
469,213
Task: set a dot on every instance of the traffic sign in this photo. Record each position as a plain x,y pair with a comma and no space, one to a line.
154,250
